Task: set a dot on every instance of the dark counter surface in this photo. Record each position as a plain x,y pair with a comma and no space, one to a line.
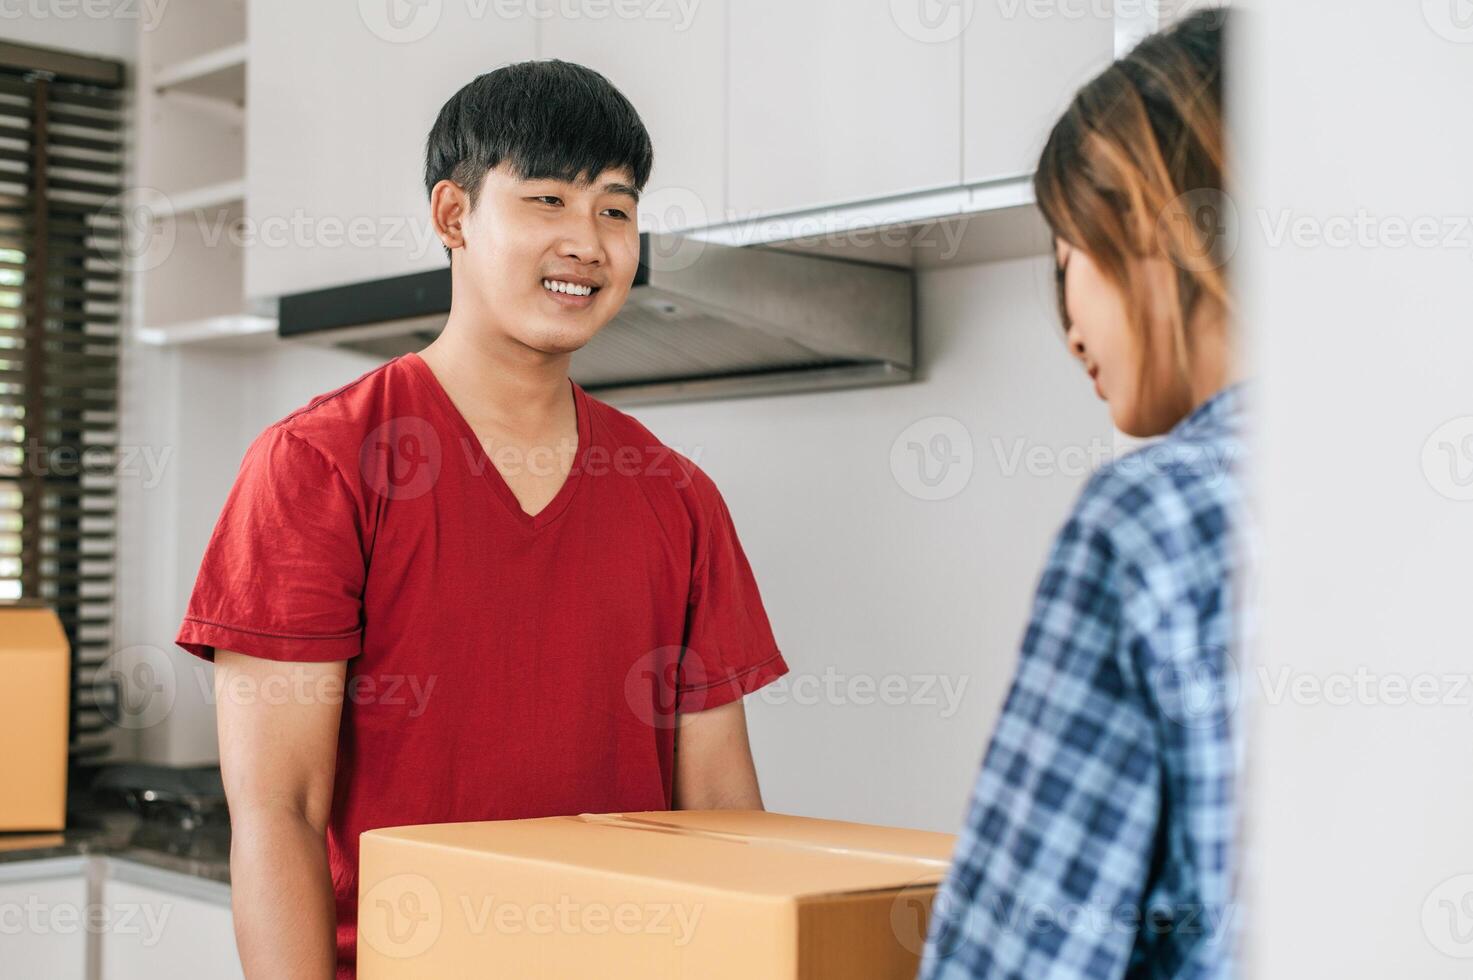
107,826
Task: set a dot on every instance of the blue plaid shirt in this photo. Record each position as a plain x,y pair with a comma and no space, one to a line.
1099,841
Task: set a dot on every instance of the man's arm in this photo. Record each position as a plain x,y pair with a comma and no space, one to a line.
278,726
713,761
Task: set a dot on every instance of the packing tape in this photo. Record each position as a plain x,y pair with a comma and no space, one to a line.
636,823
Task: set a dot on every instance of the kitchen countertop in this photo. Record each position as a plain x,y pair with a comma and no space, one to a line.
110,829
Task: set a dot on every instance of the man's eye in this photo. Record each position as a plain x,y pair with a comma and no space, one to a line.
547,199
616,213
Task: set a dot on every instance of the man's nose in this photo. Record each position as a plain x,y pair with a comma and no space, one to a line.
580,241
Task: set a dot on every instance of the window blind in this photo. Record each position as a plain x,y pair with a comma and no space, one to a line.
61,282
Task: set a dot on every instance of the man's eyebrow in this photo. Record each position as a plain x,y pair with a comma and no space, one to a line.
618,188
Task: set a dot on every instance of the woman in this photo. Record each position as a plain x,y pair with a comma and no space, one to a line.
1100,839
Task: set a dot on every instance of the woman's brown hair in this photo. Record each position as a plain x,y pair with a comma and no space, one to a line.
1134,170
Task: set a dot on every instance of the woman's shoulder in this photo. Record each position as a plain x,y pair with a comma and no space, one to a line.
1175,499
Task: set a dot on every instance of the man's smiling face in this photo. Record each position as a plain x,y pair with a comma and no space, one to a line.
550,261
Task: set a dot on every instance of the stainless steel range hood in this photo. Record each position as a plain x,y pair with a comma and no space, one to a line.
702,321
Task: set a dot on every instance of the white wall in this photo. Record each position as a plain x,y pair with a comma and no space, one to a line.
862,580
103,30
188,415
1362,821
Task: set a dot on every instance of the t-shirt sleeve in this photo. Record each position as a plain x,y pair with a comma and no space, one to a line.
282,576
730,650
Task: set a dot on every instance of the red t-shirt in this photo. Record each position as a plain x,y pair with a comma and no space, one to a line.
500,665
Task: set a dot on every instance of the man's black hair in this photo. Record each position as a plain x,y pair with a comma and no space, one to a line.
544,120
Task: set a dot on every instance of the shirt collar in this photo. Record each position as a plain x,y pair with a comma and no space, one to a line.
1222,411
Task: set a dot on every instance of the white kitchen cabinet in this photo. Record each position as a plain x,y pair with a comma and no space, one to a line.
341,99
43,907
756,108
85,917
185,206
671,63
841,100
165,924
1024,59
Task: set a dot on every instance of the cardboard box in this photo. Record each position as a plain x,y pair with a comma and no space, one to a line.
35,665
709,894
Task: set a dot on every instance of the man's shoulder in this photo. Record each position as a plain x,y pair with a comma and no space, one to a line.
336,423
622,432
627,447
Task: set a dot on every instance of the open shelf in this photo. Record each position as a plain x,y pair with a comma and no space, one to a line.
184,39
192,92
226,329
221,195
218,74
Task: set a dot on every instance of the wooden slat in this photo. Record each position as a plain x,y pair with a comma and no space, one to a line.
79,295
79,358
101,143
75,379
106,122
73,578
67,67
72,511
63,402
71,600
89,187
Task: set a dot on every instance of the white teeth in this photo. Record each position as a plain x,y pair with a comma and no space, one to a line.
572,289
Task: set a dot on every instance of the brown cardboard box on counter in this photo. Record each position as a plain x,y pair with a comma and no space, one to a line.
35,664
709,894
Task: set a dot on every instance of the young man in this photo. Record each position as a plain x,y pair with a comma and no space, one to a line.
461,588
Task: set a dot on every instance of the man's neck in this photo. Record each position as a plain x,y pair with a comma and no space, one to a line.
501,384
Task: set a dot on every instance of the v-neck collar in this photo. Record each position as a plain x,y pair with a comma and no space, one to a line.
488,471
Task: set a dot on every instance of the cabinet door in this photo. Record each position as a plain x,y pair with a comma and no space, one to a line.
842,100
340,98
671,63
44,931
160,932
1024,61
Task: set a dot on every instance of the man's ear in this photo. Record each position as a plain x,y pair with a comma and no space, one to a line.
449,206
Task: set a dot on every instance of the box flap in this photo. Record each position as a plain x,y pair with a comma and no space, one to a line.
751,852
